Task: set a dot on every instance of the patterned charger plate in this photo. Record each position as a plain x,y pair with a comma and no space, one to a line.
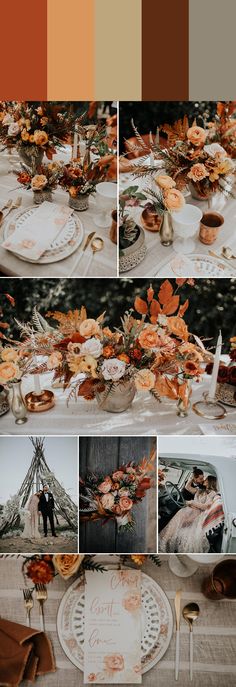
202,266
156,617
65,243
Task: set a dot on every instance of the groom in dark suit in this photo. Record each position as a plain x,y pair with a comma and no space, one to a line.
46,506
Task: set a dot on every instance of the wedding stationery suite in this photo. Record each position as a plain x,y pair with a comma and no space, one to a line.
112,652
31,239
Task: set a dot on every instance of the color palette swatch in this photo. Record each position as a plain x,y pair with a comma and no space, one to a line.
118,49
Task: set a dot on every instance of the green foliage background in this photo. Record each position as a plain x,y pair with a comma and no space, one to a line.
212,301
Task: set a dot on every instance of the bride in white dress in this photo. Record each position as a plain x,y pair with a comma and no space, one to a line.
31,518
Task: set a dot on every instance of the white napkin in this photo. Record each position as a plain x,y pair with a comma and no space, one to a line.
33,239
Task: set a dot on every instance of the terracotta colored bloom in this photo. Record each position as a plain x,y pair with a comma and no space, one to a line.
107,501
73,191
136,354
196,135
39,182
8,372
173,199
117,509
105,486
108,352
138,560
40,137
223,374
144,380
124,357
164,181
198,172
125,503
177,326
114,663
190,368
9,354
40,571
54,360
149,338
118,475
23,178
67,564
89,328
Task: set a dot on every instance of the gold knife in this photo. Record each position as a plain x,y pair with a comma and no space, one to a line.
177,620
86,244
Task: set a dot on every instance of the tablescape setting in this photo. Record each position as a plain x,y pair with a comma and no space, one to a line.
118,619
63,167
179,195
150,369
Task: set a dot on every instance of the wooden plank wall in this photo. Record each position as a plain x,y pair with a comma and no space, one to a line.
106,454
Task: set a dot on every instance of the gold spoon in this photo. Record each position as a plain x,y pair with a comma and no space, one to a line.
5,207
97,245
228,253
191,613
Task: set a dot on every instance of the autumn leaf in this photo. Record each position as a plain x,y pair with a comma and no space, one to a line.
166,387
180,282
166,292
150,294
10,299
141,306
183,308
171,306
4,325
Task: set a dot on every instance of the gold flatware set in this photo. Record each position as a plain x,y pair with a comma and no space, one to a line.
9,206
96,244
190,614
41,597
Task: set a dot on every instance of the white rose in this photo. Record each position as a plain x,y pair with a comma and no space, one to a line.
92,347
13,129
213,148
113,369
8,119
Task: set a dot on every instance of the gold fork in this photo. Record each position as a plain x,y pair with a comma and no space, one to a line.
28,601
41,596
16,204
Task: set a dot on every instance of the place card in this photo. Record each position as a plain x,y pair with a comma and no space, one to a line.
31,239
112,651
220,429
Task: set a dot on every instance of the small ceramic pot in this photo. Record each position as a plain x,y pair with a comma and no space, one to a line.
210,225
41,196
80,203
151,221
113,229
119,398
131,256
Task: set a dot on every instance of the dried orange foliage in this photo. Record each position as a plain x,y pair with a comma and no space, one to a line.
177,131
167,304
70,321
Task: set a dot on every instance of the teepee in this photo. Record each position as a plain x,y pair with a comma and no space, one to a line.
38,474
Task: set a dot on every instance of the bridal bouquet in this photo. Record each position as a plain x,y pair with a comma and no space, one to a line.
38,127
113,496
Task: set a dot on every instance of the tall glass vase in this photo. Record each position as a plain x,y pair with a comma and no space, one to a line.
183,404
17,404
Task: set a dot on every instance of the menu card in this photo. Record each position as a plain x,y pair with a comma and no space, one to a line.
33,238
112,652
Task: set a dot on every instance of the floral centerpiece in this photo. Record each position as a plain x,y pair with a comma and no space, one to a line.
43,183
33,129
113,496
223,128
190,161
80,178
151,351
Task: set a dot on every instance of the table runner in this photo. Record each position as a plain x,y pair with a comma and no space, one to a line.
214,634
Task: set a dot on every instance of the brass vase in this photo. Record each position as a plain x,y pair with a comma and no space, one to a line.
166,230
151,221
17,404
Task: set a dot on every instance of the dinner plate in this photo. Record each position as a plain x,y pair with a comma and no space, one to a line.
68,240
202,266
156,619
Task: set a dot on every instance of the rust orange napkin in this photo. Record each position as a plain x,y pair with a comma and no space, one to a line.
24,654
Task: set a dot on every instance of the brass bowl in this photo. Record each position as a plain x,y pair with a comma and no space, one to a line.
151,221
38,403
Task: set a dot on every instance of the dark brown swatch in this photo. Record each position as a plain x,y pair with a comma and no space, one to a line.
24,50
165,50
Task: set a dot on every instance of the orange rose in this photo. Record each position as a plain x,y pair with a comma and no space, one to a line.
89,328
105,486
164,181
67,564
173,199
124,357
198,172
149,338
24,135
108,352
9,354
40,137
177,326
196,135
144,380
8,372
73,191
125,503
190,351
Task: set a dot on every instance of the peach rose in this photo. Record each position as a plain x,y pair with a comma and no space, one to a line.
8,372
9,354
114,662
131,601
198,172
125,503
118,475
54,360
89,328
177,326
107,501
39,182
190,352
40,137
196,135
67,564
105,486
24,135
144,380
173,199
73,191
148,338
164,181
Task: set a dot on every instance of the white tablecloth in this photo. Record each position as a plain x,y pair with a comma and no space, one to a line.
157,255
104,263
214,633
145,416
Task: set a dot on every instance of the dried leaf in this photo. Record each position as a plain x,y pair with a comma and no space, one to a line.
150,294
141,306
10,299
171,306
4,325
166,387
166,292
155,308
183,308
